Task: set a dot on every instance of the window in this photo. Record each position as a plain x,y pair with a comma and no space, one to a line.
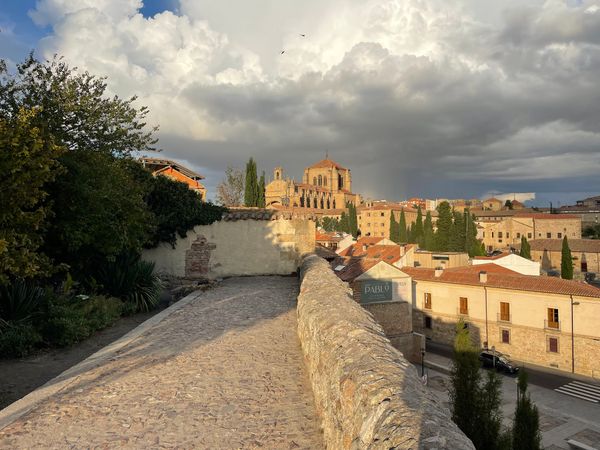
553,321
484,234
552,344
464,306
368,214
383,224
499,234
427,300
505,311
507,235
492,234
559,235
505,336
529,235
428,322
382,214
518,235
548,235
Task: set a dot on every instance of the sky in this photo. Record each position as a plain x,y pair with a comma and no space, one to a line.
427,98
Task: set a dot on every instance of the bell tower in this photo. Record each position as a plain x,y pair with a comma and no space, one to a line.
278,173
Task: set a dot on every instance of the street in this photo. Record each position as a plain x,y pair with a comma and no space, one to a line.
569,407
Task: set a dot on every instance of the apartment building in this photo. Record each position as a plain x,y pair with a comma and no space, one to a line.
507,232
539,320
374,218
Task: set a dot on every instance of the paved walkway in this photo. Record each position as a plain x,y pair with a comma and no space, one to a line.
223,372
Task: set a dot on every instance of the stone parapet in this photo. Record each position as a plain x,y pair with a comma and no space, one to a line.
366,392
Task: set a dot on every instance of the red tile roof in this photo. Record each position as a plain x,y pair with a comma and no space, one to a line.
352,267
328,236
497,279
326,164
576,245
542,216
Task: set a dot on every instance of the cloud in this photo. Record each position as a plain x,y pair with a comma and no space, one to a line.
421,97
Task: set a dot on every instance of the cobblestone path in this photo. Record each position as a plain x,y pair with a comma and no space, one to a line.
223,372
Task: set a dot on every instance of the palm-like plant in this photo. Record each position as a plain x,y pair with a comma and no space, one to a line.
20,302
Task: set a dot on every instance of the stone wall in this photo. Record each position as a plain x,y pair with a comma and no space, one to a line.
245,243
366,392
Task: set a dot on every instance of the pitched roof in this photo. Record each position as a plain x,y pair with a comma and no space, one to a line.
576,245
492,199
350,268
328,236
161,163
326,164
542,216
503,280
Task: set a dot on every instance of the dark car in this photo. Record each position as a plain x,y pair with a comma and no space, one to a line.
498,360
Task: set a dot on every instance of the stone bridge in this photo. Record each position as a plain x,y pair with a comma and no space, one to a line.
249,364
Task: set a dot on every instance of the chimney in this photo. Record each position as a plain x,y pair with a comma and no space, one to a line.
439,271
483,277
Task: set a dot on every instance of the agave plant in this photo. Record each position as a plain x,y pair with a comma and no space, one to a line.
20,302
132,280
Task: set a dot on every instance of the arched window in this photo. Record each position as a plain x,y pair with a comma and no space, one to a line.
328,204
302,202
340,182
320,180
315,203
315,181
334,203
322,204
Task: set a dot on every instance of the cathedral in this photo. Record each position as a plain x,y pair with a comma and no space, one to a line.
326,187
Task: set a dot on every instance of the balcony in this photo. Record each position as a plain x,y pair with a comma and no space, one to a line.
552,325
505,318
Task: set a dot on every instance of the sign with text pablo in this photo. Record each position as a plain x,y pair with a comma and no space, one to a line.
375,291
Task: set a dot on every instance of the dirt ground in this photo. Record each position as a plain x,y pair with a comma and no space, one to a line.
18,377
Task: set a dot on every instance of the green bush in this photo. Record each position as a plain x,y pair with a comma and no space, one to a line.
131,280
17,340
20,302
102,311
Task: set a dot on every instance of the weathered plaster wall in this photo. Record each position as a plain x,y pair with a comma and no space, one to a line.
237,247
368,395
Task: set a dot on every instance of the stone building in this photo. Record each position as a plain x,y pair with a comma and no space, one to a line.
539,320
493,204
447,260
507,232
374,218
585,252
325,190
588,209
177,172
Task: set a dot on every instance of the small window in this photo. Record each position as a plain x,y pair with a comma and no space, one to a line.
368,214
553,344
507,235
553,320
518,235
548,235
528,235
383,224
505,311
484,234
559,235
505,336
382,214
499,234
492,234
428,322
464,306
427,300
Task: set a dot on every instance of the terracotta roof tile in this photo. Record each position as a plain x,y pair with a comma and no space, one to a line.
327,163
550,285
576,245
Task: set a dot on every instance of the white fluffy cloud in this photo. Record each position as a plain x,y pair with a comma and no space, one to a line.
417,96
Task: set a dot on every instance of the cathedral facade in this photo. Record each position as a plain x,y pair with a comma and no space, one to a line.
326,188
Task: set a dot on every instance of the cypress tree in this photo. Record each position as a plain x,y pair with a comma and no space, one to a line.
393,228
525,248
402,233
428,235
456,242
418,231
251,193
352,220
410,233
261,191
566,262
444,227
344,223
526,424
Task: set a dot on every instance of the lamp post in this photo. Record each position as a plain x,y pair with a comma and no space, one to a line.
494,356
573,336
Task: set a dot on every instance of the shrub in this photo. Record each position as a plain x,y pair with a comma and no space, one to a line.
20,302
102,311
131,280
18,340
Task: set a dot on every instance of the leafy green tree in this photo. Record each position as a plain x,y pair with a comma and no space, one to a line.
465,379
526,423
566,261
428,234
525,248
472,245
402,232
99,212
444,227
457,240
261,190
251,195
176,210
28,162
394,228
352,220
344,223
475,404
592,232
508,204
75,109
419,231
330,224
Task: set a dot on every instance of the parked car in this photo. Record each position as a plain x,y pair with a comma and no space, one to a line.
498,360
